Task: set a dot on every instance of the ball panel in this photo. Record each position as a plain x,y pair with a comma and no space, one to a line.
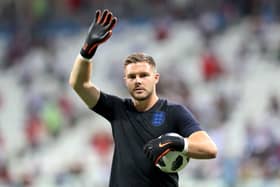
173,162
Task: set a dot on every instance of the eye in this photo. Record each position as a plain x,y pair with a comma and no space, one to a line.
131,76
142,75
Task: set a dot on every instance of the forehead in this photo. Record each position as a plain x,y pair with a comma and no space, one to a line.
138,67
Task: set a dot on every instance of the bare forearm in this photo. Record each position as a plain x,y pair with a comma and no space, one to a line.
80,74
201,146
80,80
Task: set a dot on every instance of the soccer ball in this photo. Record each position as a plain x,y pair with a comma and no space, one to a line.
173,162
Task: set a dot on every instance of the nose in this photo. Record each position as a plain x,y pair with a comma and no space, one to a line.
138,79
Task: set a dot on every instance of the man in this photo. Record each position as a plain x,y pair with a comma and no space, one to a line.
138,122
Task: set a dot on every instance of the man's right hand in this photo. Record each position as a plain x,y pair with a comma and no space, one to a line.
99,31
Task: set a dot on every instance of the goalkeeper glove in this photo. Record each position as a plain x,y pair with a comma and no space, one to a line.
99,31
156,148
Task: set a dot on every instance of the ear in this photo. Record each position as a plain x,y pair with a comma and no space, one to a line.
157,75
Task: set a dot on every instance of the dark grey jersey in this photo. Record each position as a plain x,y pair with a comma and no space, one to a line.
132,129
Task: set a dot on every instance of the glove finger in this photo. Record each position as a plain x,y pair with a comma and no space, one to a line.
96,20
104,15
160,156
108,19
97,16
111,25
147,148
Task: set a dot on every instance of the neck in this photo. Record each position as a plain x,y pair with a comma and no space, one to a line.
146,104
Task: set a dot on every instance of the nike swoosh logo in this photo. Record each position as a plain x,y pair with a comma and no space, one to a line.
164,144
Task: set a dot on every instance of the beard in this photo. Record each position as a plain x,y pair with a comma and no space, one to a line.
140,97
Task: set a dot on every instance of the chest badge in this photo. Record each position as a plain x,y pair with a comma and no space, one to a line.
158,118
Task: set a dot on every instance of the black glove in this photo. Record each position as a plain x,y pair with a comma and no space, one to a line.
156,148
99,31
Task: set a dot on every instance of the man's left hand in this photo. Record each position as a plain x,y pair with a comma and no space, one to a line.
156,148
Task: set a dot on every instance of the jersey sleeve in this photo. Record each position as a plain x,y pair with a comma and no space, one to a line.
106,106
185,121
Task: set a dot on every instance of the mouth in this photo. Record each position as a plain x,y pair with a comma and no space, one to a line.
138,89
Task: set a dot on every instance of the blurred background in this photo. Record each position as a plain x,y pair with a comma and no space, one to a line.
220,58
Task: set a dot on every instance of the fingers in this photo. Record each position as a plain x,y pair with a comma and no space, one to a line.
106,19
148,151
160,156
104,16
112,23
147,148
100,19
153,154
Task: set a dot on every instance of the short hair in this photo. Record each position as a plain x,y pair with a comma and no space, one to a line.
139,57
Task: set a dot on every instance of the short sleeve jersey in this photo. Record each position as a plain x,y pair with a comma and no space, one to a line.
132,130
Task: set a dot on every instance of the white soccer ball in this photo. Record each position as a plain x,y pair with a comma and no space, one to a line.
173,162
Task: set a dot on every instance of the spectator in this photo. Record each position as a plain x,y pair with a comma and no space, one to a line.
211,66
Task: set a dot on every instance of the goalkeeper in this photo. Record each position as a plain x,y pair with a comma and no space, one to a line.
139,124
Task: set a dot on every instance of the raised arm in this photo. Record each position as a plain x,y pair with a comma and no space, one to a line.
80,77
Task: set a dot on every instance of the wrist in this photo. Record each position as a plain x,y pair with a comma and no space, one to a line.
186,146
87,51
84,59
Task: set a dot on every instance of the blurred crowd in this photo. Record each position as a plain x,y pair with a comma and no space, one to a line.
33,23
29,23
33,31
